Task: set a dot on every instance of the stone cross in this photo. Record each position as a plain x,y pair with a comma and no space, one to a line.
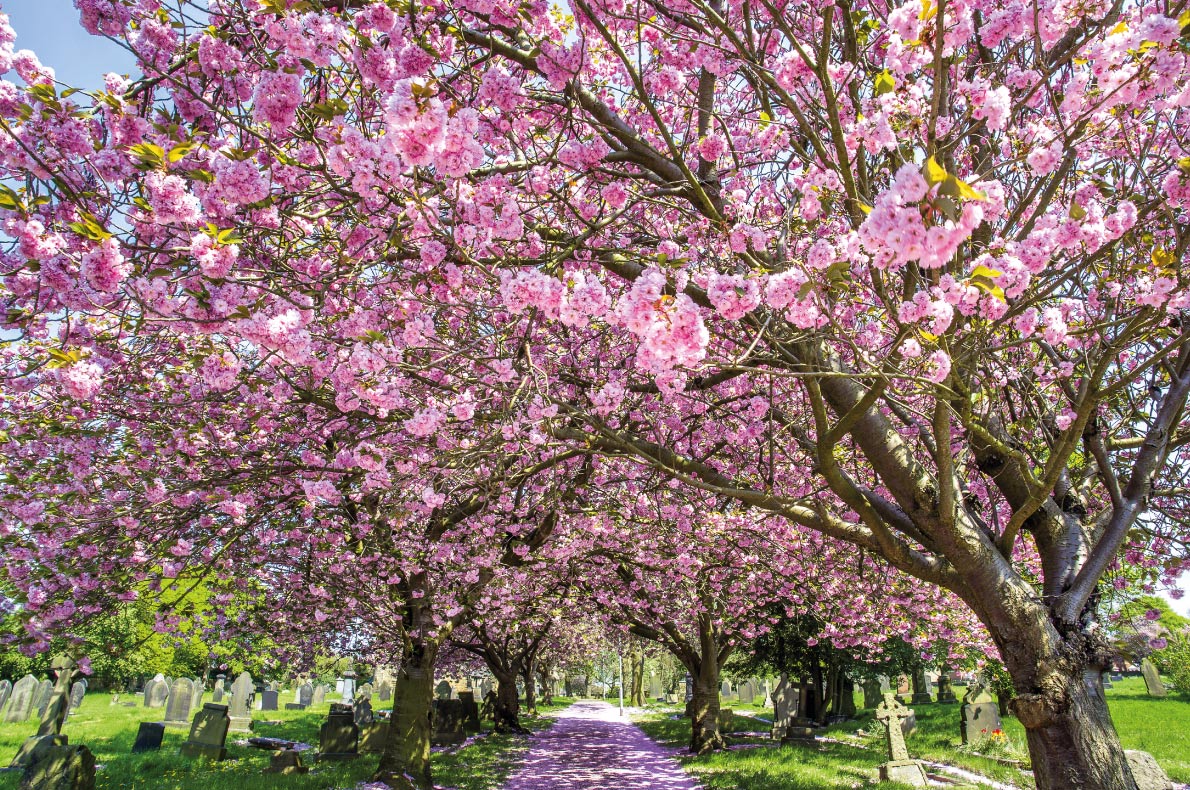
55,714
890,713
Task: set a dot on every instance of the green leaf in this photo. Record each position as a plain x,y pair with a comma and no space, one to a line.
884,84
934,173
10,199
228,236
1077,212
179,151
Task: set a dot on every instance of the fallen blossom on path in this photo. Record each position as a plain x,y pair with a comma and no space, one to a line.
590,746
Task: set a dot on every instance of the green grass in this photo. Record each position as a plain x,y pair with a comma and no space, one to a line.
109,732
1158,726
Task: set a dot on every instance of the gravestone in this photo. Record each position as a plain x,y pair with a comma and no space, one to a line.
287,762
5,693
921,687
208,733
442,690
305,695
784,710
364,692
318,696
899,767
979,721
945,689
149,736
747,692
654,687
470,711
372,737
242,694
220,688
338,738
156,692
361,709
725,692
41,698
61,767
339,686
20,704
449,720
384,692
268,700
1152,679
177,707
1149,775
348,685
77,692
196,697
871,687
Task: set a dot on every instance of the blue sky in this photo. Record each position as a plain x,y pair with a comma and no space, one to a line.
51,29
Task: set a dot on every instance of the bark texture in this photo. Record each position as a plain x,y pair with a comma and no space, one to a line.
405,761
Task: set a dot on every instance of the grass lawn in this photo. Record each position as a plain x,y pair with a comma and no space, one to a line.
109,732
1158,726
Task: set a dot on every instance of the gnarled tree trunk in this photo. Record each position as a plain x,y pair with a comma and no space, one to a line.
529,676
507,713
405,761
704,712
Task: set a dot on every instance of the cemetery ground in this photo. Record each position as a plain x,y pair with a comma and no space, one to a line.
847,754
110,730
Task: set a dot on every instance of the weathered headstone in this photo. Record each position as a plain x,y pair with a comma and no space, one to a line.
921,687
177,707
5,692
318,696
899,767
372,737
305,695
156,692
785,699
196,697
60,767
442,690
980,720
208,733
1149,775
654,687
268,700
242,693
449,720
220,688
384,692
945,689
361,709
871,687
339,735
77,693
365,692
339,686
149,736
470,711
41,698
348,692
747,692
725,692
21,703
1152,679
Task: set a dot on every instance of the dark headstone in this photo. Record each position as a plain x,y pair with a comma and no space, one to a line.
287,762
294,706
871,688
362,710
61,767
21,703
338,739
470,711
208,733
449,719
271,744
921,687
305,695
149,736
442,690
268,700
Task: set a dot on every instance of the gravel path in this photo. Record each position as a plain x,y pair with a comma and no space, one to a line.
591,748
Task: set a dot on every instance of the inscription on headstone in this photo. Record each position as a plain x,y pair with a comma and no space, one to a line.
177,707
21,702
208,733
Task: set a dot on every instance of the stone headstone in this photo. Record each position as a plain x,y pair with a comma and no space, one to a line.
21,703
196,698
899,767
365,692
220,688
41,698
372,737
156,692
1152,679
177,707
61,767
442,690
654,687
208,733
449,721
1147,773
747,692
243,693
287,762
361,709
725,691
945,689
338,738
305,694
77,692
318,696
268,700
872,696
149,736
979,720
470,711
384,692
784,710
921,687
348,692
339,686
5,693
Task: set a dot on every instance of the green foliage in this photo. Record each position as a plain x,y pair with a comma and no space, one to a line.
1174,660
1133,613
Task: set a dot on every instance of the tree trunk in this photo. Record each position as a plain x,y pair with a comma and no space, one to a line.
405,761
507,714
528,673
637,696
704,709
547,685
1072,741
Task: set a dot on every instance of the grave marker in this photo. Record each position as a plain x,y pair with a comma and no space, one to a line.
177,707
338,738
899,767
242,694
1152,679
21,703
208,733
77,692
268,700
5,692
149,737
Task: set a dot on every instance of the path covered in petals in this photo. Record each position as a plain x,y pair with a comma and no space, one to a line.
591,748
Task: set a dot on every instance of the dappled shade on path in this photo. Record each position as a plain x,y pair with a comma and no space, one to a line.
590,746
